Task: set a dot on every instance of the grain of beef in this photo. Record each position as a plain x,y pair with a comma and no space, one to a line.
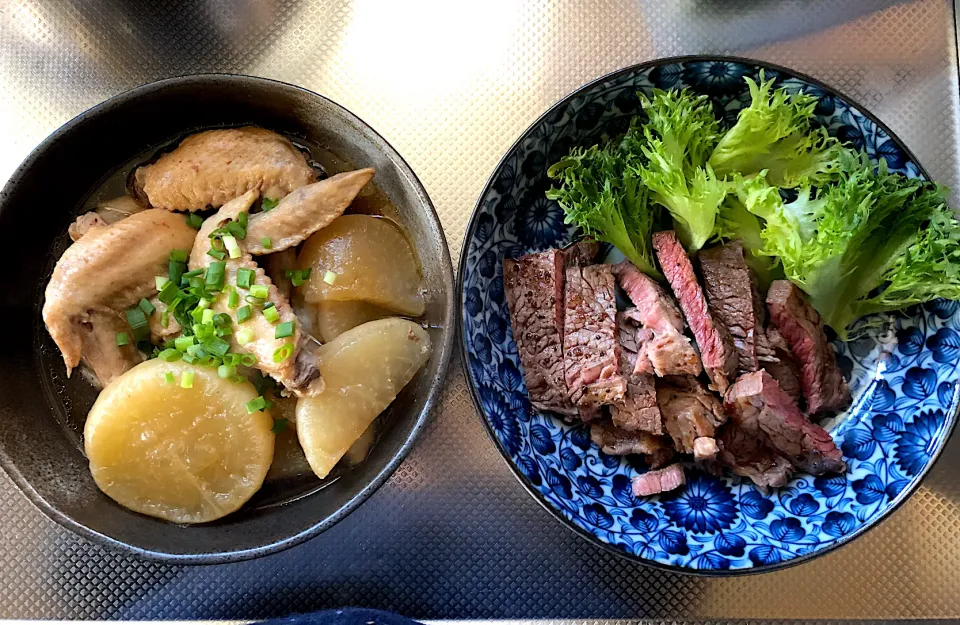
661,481
664,350
689,411
823,385
716,348
638,410
747,457
591,352
774,356
728,284
533,285
581,253
615,441
762,410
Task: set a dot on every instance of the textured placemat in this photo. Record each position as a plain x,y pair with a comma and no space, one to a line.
451,84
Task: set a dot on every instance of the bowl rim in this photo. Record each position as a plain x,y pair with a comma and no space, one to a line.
446,346
951,416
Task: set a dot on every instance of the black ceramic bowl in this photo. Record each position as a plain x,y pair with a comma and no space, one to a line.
42,413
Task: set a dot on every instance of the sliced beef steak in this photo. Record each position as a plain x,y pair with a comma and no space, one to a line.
823,385
615,441
533,285
591,352
663,349
689,411
716,348
638,410
745,455
761,409
661,481
774,355
728,283
581,253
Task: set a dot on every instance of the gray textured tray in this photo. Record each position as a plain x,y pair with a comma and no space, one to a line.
451,84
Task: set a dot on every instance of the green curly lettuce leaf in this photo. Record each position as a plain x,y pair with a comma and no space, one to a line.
681,131
774,134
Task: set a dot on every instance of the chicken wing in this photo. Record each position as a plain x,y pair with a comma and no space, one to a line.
298,372
305,211
111,268
210,168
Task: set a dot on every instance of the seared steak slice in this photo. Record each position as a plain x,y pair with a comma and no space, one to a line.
705,449
533,285
638,410
688,410
581,253
727,281
666,351
820,378
759,407
591,352
661,481
615,441
775,357
716,348
747,457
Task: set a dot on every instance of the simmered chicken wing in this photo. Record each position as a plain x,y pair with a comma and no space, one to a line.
305,211
298,372
108,270
106,213
211,168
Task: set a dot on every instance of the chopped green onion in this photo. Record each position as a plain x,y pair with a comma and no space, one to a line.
169,355
164,319
196,351
222,319
244,336
122,339
248,360
204,303
242,219
161,281
231,359
244,313
232,247
266,243
183,342
147,308
226,371
193,273
169,378
218,254
216,346
298,276
215,274
224,331
268,203
272,314
279,425
245,278
236,230
186,380
237,379
330,277
256,301
256,404
197,314
175,271
233,298
283,352
207,316
259,291
168,292
284,330
194,221
179,256
187,358
138,322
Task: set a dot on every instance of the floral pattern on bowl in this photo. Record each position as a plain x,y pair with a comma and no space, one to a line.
903,371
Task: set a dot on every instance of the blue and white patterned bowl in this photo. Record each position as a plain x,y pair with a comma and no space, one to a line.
904,377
